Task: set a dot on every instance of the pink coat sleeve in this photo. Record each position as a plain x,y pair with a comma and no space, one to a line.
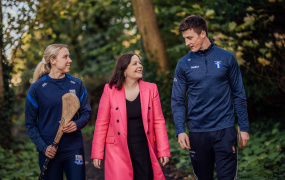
160,127
101,125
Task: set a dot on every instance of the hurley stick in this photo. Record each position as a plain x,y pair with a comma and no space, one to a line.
240,140
70,105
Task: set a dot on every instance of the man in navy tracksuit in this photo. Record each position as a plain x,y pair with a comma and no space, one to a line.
211,78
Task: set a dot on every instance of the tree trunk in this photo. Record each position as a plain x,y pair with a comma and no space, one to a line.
151,36
1,55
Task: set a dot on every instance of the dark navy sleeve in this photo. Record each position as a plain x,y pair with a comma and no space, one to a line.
178,99
238,94
31,120
85,109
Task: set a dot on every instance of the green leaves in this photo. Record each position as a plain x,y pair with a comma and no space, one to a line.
264,154
21,162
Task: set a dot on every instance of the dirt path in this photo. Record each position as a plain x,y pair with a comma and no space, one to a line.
92,173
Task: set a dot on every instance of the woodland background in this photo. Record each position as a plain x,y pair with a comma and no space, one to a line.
98,31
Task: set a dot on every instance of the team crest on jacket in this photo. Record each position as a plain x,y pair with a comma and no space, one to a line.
78,159
72,91
218,63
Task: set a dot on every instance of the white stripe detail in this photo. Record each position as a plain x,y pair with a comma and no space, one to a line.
237,166
194,173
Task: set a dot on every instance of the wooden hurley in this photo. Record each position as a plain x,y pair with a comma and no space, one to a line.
70,105
240,144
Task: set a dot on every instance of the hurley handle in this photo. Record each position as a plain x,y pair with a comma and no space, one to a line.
240,140
54,145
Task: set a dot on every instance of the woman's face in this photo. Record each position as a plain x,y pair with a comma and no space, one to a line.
134,69
62,61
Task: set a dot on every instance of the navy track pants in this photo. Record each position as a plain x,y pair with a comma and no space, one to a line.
208,148
71,162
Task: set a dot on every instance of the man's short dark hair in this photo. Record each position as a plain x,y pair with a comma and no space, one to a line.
195,22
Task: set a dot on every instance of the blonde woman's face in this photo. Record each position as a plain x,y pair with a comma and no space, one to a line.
62,61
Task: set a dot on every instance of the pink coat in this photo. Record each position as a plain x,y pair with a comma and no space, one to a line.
111,132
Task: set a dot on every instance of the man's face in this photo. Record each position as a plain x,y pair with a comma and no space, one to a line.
193,40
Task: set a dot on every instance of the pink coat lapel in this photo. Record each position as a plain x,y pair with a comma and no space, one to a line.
121,101
144,97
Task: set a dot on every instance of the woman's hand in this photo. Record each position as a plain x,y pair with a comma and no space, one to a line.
97,163
50,152
164,160
70,127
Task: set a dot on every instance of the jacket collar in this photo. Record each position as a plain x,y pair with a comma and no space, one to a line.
206,51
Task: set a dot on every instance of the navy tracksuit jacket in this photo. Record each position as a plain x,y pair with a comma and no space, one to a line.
43,112
212,81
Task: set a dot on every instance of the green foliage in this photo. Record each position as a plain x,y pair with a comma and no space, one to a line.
263,157
179,157
21,162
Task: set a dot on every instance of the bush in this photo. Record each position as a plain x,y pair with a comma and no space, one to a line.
21,162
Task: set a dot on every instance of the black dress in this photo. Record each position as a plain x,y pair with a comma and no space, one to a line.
137,141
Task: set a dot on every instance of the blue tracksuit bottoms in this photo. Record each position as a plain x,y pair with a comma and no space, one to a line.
71,162
215,147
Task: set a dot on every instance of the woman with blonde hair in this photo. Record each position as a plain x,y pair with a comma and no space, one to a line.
43,112
130,128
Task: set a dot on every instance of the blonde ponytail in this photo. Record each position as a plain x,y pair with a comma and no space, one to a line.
44,66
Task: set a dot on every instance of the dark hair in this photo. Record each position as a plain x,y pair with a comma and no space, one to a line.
118,77
195,22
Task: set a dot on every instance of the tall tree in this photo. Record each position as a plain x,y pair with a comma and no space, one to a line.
152,40
1,66
5,119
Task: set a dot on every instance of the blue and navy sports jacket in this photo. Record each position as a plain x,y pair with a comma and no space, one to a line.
212,81
43,112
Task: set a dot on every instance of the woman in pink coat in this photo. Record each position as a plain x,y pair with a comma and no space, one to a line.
130,127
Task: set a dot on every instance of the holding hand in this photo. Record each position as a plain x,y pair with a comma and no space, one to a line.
97,163
50,152
70,127
183,141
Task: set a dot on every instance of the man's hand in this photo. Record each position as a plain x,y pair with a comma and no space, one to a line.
97,163
70,127
50,152
183,141
244,138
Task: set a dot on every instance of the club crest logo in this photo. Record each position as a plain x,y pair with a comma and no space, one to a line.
78,159
72,91
218,64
